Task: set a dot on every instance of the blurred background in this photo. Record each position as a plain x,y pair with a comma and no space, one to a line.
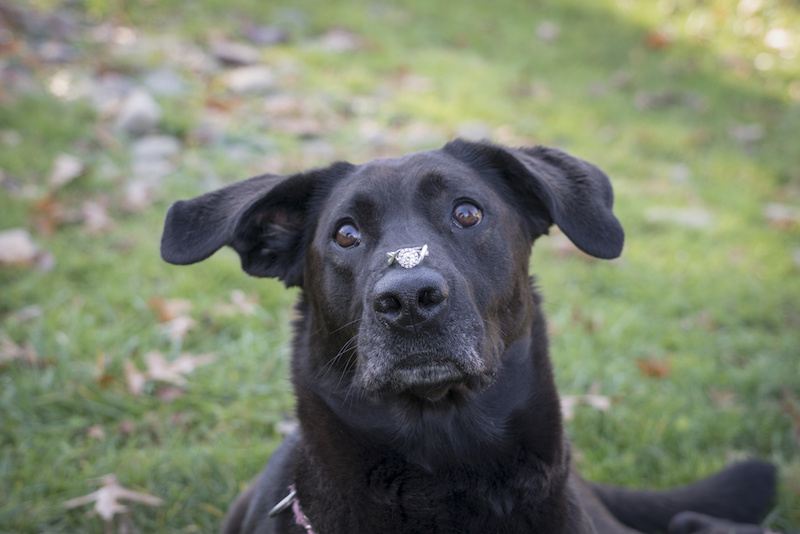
678,358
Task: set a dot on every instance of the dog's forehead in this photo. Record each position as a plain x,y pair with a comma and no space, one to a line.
415,176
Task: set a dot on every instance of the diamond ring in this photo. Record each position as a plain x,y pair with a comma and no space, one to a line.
408,257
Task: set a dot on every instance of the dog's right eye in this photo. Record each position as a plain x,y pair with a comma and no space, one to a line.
347,236
467,214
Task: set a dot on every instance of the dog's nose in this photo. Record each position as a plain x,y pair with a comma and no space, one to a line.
408,298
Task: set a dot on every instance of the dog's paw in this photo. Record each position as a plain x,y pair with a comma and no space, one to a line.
695,523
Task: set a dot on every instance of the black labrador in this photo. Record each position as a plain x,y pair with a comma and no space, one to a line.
425,395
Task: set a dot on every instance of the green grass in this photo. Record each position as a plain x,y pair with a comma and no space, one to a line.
719,305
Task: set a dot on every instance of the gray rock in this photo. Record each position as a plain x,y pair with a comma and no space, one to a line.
694,218
266,35
155,147
254,79
153,157
234,53
165,82
138,114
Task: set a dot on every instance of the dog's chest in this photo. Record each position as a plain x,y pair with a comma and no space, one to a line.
464,501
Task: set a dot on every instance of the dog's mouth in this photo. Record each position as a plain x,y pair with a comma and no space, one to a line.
433,379
430,381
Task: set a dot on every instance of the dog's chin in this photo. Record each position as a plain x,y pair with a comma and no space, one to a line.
431,382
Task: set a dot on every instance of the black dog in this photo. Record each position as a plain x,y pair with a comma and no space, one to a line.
425,394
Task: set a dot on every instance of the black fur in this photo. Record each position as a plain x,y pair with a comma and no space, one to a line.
425,396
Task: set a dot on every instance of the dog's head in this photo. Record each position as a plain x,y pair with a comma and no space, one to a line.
441,325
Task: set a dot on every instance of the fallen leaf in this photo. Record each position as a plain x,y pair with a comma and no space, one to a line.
126,427
782,216
158,368
747,134
26,314
240,303
138,195
169,393
134,378
653,368
569,402
169,309
548,31
95,217
722,398
340,40
96,432
11,352
694,218
658,40
65,169
17,247
49,214
177,328
105,499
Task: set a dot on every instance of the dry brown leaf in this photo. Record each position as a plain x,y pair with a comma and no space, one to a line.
782,216
569,402
95,217
169,309
17,247
49,214
653,368
105,499
169,393
240,303
158,368
126,427
134,378
96,432
339,40
65,169
658,40
177,328
722,398
138,195
10,352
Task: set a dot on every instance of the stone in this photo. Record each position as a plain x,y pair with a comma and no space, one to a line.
255,79
165,82
232,53
138,114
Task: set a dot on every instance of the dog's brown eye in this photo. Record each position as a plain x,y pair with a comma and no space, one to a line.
467,214
348,236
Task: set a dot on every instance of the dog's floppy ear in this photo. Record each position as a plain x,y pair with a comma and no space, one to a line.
264,219
576,195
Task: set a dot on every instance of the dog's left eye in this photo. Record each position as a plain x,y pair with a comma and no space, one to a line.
467,214
347,236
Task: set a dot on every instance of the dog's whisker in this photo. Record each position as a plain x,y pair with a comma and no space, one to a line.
495,326
351,323
347,347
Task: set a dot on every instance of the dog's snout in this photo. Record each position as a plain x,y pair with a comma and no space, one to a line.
410,298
